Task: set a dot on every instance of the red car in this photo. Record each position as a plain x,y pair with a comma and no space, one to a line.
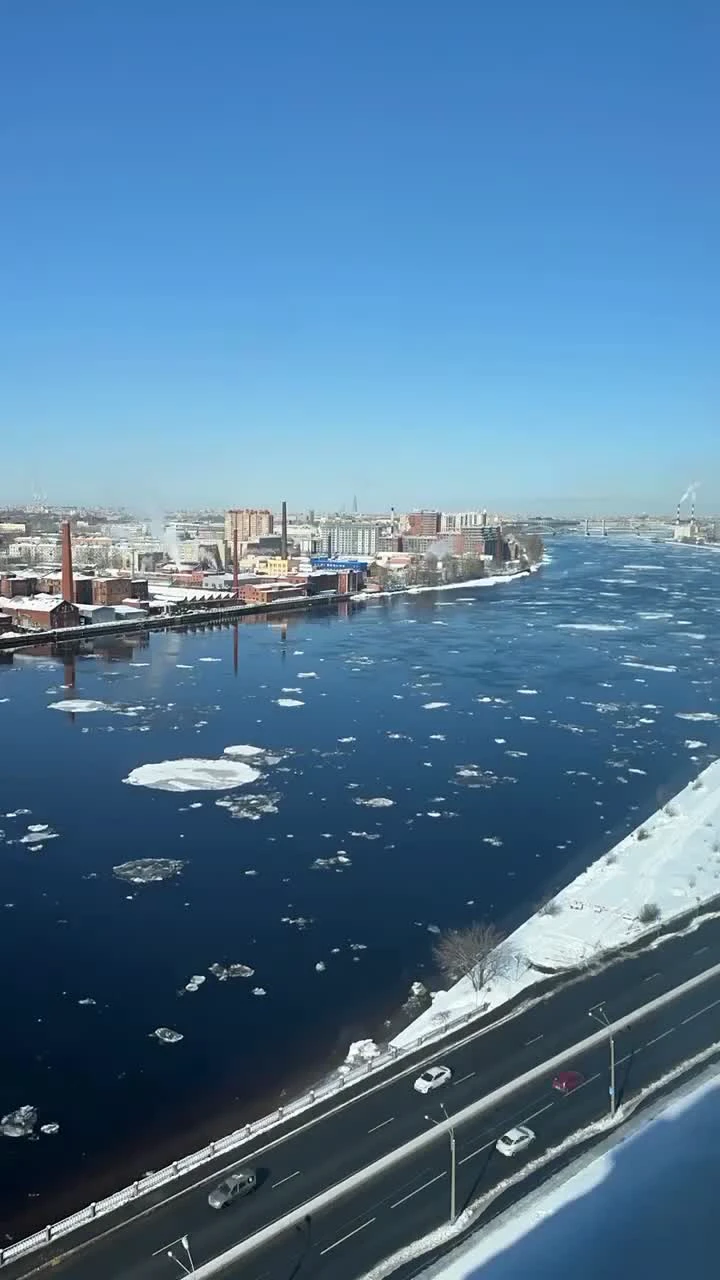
566,1081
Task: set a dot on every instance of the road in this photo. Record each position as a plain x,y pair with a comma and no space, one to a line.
321,1147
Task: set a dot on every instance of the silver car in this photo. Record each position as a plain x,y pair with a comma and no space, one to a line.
239,1183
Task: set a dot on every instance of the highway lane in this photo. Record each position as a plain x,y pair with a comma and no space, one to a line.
384,1114
347,1240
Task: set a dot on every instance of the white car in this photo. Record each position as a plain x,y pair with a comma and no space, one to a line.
515,1140
433,1078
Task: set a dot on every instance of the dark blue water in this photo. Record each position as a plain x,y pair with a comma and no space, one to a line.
555,775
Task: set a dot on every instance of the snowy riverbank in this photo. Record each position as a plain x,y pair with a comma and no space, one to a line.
664,868
491,580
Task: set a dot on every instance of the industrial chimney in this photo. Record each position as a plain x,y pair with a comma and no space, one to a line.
67,583
283,533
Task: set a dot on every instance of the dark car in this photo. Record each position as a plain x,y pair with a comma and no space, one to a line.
237,1184
566,1081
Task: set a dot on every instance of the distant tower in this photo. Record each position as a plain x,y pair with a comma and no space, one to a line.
355,506
283,534
66,580
587,527
677,517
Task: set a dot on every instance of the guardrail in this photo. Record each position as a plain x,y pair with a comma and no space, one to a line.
219,1146
441,1128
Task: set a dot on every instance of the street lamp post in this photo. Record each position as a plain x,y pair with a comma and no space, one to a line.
598,1013
167,1249
453,1162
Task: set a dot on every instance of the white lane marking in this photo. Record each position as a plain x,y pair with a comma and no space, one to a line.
697,1015
539,1113
491,1143
347,1237
469,1076
381,1125
410,1195
662,1036
279,1184
588,1081
533,1041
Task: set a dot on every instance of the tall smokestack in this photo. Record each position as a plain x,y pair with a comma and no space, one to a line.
236,584
283,533
692,510
677,518
67,583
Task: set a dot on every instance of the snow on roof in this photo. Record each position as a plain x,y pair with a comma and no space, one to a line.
32,604
184,593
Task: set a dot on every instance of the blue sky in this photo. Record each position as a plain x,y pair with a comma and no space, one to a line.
425,251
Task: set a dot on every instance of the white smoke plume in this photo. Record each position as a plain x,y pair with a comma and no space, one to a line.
690,492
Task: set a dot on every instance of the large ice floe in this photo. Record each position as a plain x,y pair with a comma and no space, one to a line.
666,867
145,870
80,705
193,775
19,1123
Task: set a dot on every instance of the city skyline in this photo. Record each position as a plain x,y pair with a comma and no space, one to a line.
468,253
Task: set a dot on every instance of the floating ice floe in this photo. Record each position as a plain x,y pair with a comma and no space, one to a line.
708,716
166,1035
259,991
145,870
340,860
347,740
692,744
251,806
195,982
307,675
244,750
224,971
591,626
209,659
289,702
50,1128
300,922
365,835
434,706
19,1123
375,802
192,775
646,666
493,840
526,691
37,833
80,705
320,966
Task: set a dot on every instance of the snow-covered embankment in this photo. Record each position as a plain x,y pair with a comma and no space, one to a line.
664,868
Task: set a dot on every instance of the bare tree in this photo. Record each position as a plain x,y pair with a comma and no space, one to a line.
472,951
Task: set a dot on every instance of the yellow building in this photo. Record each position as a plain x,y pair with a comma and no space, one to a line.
272,566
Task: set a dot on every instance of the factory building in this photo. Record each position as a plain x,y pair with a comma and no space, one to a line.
40,613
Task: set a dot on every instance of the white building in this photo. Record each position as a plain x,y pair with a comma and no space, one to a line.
456,521
349,538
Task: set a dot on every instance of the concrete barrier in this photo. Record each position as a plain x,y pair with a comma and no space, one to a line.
441,1128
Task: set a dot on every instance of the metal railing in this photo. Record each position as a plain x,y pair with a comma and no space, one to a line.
228,1143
